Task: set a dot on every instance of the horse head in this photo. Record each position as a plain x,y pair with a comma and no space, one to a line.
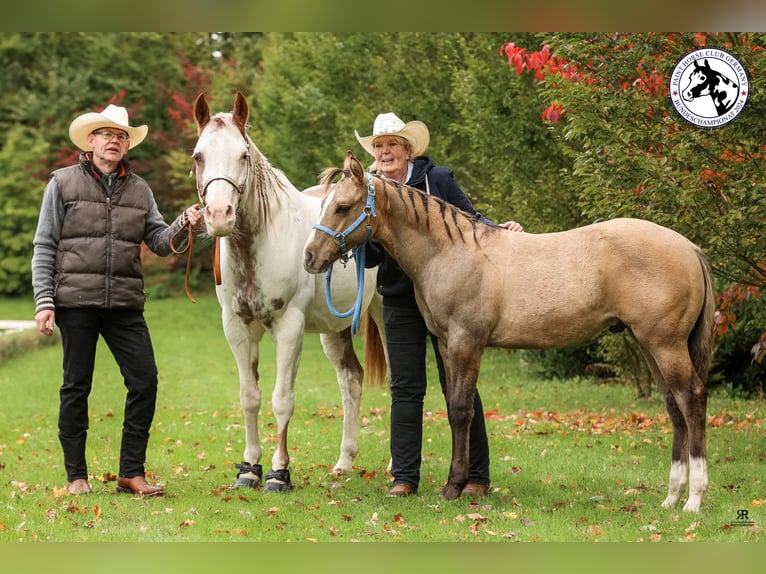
222,163
347,218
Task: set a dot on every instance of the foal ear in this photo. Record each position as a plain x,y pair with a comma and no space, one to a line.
352,164
201,112
241,112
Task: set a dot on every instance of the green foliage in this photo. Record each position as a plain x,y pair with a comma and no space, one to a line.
624,358
566,363
22,154
509,161
316,89
733,365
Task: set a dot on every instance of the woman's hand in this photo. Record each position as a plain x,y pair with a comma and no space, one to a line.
512,226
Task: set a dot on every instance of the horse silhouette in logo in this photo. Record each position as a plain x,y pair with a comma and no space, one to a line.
705,81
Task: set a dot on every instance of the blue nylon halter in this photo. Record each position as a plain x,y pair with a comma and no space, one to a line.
358,254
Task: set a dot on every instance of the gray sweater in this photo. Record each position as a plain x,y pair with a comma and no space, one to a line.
80,250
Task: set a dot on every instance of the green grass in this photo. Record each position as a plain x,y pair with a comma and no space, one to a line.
572,461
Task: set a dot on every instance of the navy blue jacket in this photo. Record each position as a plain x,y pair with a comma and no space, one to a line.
392,282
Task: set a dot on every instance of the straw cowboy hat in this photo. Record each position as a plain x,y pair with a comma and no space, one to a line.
415,132
111,117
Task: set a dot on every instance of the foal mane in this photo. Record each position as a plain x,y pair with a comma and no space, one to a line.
421,207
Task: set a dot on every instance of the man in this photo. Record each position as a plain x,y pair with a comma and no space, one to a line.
87,279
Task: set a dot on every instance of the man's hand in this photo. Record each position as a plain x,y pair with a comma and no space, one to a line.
45,321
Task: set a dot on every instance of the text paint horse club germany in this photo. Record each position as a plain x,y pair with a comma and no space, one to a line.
479,285
263,222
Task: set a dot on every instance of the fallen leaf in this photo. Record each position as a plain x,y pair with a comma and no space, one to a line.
59,492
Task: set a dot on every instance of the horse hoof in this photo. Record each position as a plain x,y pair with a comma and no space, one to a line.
249,475
278,481
450,492
246,483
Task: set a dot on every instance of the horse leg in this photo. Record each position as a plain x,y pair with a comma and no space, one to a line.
243,343
686,402
339,348
288,340
461,365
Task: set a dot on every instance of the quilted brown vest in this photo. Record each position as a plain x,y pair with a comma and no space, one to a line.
98,263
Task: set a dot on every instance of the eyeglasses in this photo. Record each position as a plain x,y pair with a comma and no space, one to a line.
107,135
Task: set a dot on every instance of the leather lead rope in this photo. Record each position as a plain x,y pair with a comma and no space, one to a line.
188,248
217,260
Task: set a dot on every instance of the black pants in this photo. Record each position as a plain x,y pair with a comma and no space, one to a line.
127,337
406,339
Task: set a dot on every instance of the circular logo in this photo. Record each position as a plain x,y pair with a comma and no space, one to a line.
708,87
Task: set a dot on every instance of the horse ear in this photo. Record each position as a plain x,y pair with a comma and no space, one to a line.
201,112
241,111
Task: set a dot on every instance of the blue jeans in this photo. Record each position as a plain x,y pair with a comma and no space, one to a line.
127,336
406,340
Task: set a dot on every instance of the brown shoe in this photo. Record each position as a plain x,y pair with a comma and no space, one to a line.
401,489
473,489
79,486
138,485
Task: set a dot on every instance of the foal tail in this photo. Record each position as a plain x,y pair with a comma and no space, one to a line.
375,364
701,337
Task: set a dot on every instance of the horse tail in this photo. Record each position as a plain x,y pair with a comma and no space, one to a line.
375,364
701,337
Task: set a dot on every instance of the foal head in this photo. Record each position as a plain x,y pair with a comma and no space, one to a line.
222,163
345,217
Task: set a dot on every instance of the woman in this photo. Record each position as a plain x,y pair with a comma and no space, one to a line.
398,151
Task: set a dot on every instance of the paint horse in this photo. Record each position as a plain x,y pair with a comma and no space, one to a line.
705,81
479,285
263,221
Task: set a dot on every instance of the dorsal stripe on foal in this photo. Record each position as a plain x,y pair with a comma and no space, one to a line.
443,206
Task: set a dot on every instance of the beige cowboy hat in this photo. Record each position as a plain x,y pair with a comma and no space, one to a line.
111,117
415,132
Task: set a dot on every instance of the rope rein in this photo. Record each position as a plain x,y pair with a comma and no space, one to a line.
358,254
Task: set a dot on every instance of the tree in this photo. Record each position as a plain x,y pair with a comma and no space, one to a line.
48,79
